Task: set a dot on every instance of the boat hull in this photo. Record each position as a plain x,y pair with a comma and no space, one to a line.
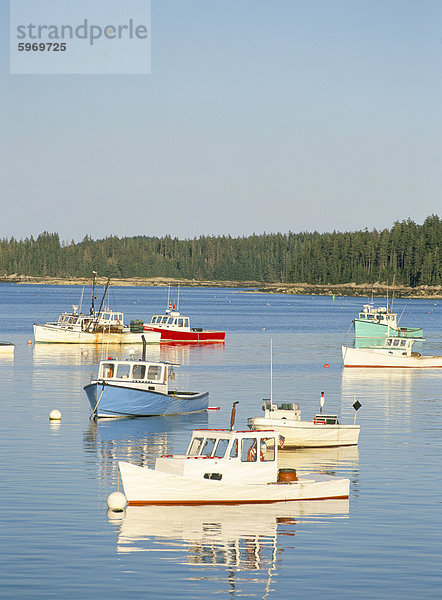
369,329
306,434
379,358
53,334
112,400
7,348
145,486
183,336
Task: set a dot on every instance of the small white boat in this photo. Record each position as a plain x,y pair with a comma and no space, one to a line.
324,431
97,327
396,352
224,466
6,348
139,388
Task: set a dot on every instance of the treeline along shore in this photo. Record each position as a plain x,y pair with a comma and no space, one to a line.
407,256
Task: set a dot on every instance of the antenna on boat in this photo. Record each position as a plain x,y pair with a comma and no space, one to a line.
271,373
321,402
94,275
168,297
178,299
81,299
232,415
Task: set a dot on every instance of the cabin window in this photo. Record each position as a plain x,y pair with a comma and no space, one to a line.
248,450
154,372
186,322
403,342
195,447
164,320
107,370
123,371
234,449
389,342
396,342
267,449
221,447
139,371
180,322
105,317
170,321
208,447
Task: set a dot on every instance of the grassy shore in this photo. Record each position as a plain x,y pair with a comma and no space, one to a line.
343,289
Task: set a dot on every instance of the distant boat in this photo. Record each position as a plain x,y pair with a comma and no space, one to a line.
226,467
380,322
97,327
175,327
396,352
323,431
140,388
7,348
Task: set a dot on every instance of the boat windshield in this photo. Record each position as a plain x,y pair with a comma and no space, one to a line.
123,371
195,446
208,447
107,370
221,447
139,371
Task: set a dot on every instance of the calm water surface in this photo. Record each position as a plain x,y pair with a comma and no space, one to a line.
58,540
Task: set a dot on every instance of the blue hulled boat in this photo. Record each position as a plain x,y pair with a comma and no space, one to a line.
138,388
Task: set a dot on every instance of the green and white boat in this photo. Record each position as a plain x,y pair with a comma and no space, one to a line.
381,322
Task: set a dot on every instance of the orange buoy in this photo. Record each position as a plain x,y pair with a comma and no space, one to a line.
326,366
29,342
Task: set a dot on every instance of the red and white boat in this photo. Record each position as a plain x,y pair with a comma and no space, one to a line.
174,327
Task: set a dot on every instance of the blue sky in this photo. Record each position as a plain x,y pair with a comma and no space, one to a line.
277,115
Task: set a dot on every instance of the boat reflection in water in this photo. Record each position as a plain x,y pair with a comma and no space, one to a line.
239,538
139,440
335,460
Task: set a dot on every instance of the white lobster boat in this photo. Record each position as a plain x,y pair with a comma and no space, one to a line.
323,431
97,327
396,353
224,466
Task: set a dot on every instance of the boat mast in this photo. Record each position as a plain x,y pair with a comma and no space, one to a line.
271,373
94,275
104,295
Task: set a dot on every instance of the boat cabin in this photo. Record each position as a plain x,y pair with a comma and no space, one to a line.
227,456
75,320
398,345
378,315
171,320
285,410
152,376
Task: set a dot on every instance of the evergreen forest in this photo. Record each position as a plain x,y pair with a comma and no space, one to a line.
408,251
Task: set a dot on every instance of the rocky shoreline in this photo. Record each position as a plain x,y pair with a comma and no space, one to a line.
343,289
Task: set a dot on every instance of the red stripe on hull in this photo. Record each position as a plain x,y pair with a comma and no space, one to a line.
230,502
391,367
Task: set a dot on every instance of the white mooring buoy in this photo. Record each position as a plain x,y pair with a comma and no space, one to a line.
117,501
55,415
